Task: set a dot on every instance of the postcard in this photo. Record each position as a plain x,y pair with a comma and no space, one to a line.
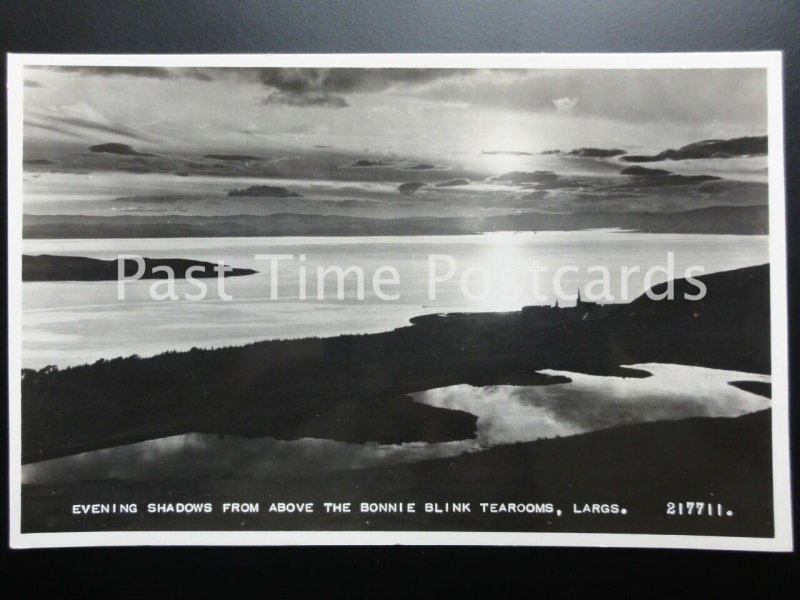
398,299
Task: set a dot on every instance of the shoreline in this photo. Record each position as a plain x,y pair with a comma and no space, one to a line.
359,383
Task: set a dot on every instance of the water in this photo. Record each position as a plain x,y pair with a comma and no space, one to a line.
509,414
70,323
506,414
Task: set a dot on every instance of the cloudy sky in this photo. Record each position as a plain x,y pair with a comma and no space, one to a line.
416,112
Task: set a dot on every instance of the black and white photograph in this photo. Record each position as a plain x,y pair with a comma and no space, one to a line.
504,299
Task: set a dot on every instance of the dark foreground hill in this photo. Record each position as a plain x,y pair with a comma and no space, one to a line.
354,388
633,474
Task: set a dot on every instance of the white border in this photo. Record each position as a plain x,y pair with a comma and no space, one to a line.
780,402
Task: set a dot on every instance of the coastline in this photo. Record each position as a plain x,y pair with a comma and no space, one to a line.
358,393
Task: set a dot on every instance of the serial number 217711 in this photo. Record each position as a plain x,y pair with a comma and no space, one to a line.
698,509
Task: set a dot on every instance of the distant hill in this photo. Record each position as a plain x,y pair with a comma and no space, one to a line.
743,220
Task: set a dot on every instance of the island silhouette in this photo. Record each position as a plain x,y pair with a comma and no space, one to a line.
48,267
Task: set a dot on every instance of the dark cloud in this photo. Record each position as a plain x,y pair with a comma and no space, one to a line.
152,72
596,152
101,127
364,162
303,100
196,73
409,189
348,81
650,95
506,153
453,182
30,83
642,177
644,172
526,177
297,86
46,127
200,74
327,87
233,157
121,149
744,146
